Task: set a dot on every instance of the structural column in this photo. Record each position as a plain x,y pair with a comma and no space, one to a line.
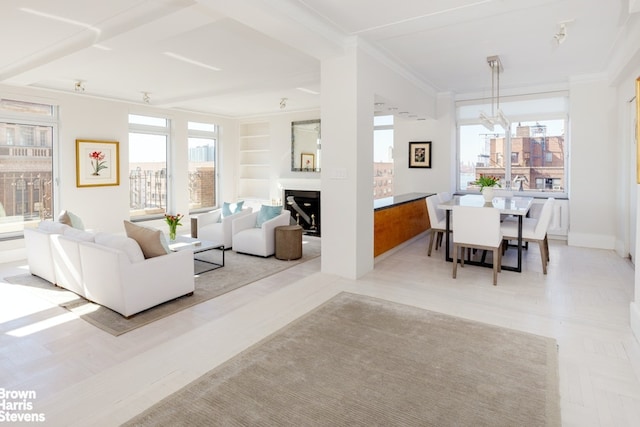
347,167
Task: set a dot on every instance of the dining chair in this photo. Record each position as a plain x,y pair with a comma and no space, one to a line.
438,222
477,228
533,230
444,196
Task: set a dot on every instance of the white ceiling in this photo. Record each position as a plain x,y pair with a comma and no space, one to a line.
248,54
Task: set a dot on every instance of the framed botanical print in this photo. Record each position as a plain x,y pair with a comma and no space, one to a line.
307,162
97,163
420,154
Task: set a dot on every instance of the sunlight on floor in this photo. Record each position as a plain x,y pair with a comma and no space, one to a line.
42,325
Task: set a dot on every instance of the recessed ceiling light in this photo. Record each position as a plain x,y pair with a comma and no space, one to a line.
191,61
304,89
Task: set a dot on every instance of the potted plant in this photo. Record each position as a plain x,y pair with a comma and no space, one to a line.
486,183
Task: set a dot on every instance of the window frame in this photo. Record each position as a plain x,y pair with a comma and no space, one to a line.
215,136
521,116
167,132
34,119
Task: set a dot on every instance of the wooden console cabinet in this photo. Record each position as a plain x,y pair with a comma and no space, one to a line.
398,219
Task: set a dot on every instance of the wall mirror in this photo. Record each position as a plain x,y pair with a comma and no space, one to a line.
305,146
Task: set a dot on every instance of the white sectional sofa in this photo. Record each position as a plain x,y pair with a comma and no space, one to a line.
107,269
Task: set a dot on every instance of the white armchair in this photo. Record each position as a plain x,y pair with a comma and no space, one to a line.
214,227
249,239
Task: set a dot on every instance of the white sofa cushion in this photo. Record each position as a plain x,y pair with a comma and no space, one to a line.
122,243
80,235
52,226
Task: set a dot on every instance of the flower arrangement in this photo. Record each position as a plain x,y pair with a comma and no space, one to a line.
173,221
97,162
487,181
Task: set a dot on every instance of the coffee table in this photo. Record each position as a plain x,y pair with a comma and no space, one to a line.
198,246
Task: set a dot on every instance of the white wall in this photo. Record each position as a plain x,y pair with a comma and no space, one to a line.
593,164
441,133
282,178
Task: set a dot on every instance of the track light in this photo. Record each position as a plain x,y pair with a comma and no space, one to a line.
79,86
146,98
283,103
561,35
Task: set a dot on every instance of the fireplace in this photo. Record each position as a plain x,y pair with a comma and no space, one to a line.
304,206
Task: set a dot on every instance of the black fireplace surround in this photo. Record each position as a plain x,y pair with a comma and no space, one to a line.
304,206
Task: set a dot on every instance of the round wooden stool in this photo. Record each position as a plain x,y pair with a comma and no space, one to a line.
288,242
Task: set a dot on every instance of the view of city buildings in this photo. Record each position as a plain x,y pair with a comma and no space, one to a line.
537,160
25,171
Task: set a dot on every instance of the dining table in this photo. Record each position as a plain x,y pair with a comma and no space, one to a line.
516,205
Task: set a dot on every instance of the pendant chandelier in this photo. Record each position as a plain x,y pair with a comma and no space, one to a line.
497,117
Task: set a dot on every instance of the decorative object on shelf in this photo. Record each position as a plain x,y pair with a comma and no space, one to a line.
487,183
307,160
173,221
420,154
97,163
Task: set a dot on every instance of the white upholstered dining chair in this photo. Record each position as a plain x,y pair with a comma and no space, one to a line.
477,228
533,230
437,219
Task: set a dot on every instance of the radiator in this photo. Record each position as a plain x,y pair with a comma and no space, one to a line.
559,226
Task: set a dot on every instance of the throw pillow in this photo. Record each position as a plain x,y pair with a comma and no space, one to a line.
151,240
229,209
266,213
71,219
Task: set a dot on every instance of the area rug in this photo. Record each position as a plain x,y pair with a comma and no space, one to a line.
239,270
361,361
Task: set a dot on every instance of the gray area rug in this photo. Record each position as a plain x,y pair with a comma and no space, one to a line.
360,361
239,270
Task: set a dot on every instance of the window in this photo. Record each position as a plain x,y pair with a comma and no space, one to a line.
202,166
535,143
27,132
148,145
382,156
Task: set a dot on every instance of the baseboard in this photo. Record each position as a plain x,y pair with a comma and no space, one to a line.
595,241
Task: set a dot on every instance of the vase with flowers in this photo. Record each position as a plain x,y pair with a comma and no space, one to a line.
487,184
173,221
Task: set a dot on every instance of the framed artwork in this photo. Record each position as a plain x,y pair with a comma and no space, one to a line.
307,161
97,163
420,154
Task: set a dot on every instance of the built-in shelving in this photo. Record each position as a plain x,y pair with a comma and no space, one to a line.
254,172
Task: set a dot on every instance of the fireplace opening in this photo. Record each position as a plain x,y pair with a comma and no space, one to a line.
304,206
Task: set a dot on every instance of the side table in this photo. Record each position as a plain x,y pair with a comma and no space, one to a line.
288,242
